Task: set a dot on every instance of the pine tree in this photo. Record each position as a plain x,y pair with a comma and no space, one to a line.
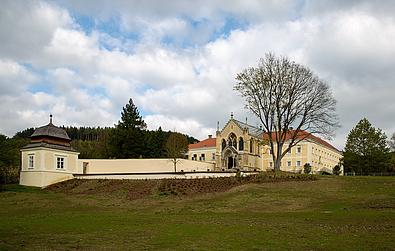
366,149
127,139
130,117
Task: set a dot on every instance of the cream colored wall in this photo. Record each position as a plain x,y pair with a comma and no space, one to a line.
323,158
141,165
311,153
43,178
207,151
44,172
165,175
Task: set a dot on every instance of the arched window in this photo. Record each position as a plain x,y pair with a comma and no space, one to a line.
232,140
223,144
241,144
251,145
235,143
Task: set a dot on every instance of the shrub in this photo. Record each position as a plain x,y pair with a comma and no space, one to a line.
307,168
336,170
9,174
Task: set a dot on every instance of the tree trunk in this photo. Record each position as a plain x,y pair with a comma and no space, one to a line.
277,164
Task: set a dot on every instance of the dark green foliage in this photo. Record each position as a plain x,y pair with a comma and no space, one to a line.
336,170
10,157
307,168
130,117
25,133
128,139
366,150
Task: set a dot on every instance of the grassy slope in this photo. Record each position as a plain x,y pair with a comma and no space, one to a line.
342,213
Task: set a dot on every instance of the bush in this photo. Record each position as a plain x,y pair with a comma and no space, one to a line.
307,168
336,170
9,175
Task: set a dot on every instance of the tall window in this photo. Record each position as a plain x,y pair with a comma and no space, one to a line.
232,140
223,144
251,145
213,156
194,157
289,163
31,161
299,149
202,157
60,162
298,163
241,144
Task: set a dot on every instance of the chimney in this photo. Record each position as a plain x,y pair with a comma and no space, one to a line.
210,136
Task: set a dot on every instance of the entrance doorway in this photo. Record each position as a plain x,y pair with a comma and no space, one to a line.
231,162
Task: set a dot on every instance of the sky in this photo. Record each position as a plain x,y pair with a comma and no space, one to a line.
83,60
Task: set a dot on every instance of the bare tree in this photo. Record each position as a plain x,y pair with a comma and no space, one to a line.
391,142
176,147
289,100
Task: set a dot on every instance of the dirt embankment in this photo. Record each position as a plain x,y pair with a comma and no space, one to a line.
137,189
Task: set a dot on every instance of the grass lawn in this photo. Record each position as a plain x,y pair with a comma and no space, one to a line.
331,213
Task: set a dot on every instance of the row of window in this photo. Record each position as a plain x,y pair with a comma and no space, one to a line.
289,163
233,143
298,150
60,162
202,157
322,152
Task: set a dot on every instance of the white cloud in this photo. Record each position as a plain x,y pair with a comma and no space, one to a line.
14,77
27,26
187,126
93,74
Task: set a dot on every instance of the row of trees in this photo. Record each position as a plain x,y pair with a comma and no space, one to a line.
129,138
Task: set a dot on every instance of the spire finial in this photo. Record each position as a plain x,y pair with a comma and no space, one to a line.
246,121
231,115
50,118
217,125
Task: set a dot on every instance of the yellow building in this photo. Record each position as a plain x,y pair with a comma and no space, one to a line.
48,158
313,150
242,146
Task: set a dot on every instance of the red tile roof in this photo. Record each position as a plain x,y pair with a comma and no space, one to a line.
209,142
306,135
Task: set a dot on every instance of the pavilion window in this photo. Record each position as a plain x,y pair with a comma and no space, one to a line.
31,161
60,163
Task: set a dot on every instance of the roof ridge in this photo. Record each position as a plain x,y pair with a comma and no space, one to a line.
248,124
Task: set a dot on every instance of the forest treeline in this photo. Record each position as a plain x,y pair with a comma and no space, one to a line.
129,138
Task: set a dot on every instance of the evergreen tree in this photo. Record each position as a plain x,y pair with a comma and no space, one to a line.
130,117
366,150
127,139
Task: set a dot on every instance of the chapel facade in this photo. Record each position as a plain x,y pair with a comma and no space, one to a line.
240,146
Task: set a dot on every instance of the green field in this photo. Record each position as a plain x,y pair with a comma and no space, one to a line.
331,213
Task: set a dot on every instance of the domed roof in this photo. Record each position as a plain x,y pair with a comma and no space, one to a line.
50,130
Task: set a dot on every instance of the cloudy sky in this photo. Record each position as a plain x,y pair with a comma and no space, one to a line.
83,60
